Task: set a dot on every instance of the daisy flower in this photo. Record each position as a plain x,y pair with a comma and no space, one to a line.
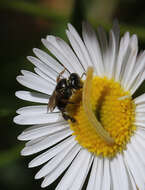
106,143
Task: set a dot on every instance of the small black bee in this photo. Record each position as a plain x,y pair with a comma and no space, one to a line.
62,93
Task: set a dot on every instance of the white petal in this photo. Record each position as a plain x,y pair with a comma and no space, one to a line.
116,31
106,180
103,41
50,61
61,168
129,68
138,82
140,116
44,157
28,110
139,149
140,99
105,48
38,118
43,75
109,51
54,162
82,174
141,134
91,182
139,67
120,174
58,55
70,56
33,141
99,174
139,123
114,174
93,48
131,178
77,49
52,40
42,130
35,82
46,142
29,129
121,55
33,110
110,64
140,119
71,173
32,96
110,54
43,67
135,167
80,43
140,108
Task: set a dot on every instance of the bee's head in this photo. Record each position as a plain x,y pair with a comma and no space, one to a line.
74,81
62,84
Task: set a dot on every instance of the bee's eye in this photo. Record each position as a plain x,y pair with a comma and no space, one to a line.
74,81
62,84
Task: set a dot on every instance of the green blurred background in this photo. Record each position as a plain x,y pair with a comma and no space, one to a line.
22,24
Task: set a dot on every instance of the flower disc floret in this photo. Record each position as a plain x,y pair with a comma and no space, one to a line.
113,108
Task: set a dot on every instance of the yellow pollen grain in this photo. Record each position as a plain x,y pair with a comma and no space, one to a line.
114,109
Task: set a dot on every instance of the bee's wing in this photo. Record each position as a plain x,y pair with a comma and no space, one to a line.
52,102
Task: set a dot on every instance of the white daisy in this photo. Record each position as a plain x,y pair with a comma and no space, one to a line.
106,143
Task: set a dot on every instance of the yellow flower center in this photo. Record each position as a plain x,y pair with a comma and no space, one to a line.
114,111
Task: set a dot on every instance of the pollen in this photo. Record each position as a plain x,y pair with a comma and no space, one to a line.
113,108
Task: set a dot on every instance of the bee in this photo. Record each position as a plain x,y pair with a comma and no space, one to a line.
62,93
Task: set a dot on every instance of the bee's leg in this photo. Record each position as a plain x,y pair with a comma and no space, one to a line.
59,76
67,117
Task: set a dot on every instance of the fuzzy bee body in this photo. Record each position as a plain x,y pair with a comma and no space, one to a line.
62,93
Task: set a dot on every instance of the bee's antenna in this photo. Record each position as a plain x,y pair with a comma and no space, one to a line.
60,74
